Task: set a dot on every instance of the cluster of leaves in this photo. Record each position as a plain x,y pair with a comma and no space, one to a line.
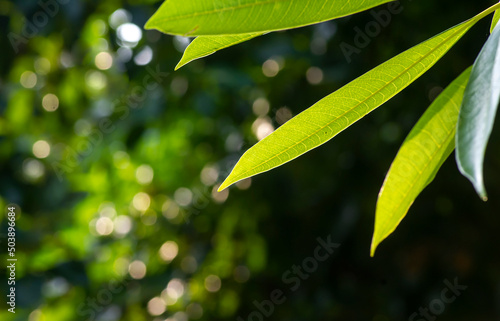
461,117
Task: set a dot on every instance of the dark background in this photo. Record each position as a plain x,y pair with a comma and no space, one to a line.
200,117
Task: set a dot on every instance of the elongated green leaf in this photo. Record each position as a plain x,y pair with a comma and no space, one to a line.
494,21
339,110
223,17
478,111
423,152
203,46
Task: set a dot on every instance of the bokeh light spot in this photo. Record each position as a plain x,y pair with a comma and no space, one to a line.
144,56
41,149
262,127
119,17
212,283
124,54
42,66
209,175
175,289
107,209
314,75
241,274
121,159
137,269
28,79
33,169
148,217
141,201
104,226
219,197
50,102
183,196
261,107
189,264
181,43
168,251
103,60
270,68
123,225
36,315
156,306
96,80
194,311
144,174
283,115
244,184
99,27
120,266
170,210
130,34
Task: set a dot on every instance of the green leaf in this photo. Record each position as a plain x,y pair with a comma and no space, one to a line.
420,157
494,21
339,110
477,113
203,46
223,17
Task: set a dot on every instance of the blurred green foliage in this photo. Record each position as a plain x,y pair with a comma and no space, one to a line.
119,219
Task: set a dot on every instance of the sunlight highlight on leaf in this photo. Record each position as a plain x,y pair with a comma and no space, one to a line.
227,17
494,21
203,46
336,112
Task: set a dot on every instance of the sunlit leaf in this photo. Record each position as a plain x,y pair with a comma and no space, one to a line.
336,112
223,17
478,111
423,152
203,46
494,21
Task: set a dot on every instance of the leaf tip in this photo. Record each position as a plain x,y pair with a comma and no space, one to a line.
372,250
480,189
233,177
224,185
476,179
483,195
180,64
230,180
227,182
149,24
375,243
